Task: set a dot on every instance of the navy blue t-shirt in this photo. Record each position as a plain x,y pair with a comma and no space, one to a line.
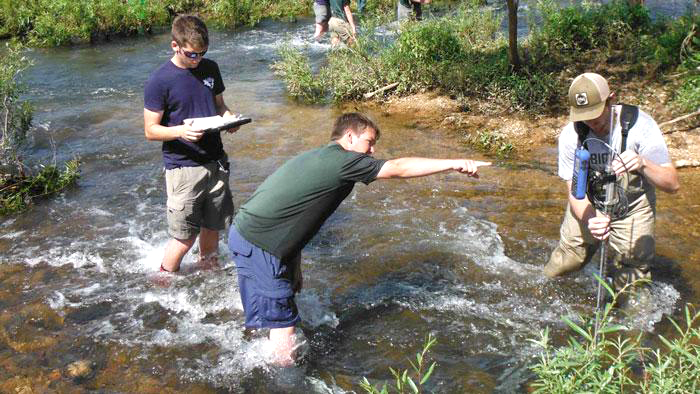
182,94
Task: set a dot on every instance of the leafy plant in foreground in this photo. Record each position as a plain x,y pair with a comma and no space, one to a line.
602,359
408,381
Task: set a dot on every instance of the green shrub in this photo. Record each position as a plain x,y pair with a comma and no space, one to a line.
17,188
491,142
66,22
294,68
15,114
408,381
233,13
605,358
17,193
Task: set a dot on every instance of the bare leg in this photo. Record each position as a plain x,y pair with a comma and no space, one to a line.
318,32
175,250
208,248
284,342
208,242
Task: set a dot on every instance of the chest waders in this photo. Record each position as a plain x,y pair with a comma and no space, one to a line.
601,186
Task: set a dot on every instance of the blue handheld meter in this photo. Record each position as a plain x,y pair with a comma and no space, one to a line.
579,181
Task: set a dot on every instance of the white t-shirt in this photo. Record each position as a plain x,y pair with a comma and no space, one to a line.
644,138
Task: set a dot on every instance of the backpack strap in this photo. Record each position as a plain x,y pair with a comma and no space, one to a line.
628,117
582,131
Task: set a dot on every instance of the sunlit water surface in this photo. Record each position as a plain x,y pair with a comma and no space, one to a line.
449,255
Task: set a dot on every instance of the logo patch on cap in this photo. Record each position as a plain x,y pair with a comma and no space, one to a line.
581,99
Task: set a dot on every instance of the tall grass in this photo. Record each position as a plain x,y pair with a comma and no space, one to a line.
66,22
465,55
18,185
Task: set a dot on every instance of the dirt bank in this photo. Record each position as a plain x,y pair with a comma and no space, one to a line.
527,132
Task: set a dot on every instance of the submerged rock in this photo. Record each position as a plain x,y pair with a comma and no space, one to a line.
153,315
88,313
79,370
31,328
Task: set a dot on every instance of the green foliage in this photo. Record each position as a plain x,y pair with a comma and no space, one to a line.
677,369
62,22
232,13
295,69
687,96
17,193
408,381
66,22
491,142
15,114
588,26
17,189
603,358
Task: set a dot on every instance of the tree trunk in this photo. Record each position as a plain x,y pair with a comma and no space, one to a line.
635,2
513,34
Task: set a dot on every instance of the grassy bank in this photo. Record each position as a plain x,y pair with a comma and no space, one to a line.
67,22
465,55
20,185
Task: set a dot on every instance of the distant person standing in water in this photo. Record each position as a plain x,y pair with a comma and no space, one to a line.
341,25
289,208
322,14
196,166
410,9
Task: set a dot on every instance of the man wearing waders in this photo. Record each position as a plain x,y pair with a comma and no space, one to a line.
289,208
640,163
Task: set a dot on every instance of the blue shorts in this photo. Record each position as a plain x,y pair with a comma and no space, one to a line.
265,285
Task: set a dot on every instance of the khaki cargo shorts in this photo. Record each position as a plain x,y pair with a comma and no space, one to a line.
322,13
631,238
198,197
339,29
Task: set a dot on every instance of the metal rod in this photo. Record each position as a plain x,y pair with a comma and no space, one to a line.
607,210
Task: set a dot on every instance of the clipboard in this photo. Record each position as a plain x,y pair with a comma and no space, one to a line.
228,125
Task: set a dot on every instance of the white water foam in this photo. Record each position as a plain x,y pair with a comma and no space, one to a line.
316,311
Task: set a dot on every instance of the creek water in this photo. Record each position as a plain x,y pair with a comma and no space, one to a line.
457,257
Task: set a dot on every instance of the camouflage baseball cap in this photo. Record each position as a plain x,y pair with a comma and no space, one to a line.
587,96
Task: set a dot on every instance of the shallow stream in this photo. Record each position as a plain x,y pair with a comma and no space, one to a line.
449,255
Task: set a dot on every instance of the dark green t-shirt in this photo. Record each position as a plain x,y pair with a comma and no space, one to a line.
290,206
337,8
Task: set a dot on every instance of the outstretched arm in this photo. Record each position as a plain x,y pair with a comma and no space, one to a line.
411,167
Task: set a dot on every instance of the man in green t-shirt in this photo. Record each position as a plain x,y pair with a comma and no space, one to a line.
289,208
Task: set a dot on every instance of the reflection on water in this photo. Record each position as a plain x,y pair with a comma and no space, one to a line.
451,255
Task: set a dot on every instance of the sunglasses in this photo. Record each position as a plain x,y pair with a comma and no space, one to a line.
192,55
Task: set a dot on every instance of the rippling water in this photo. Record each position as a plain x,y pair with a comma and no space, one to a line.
448,255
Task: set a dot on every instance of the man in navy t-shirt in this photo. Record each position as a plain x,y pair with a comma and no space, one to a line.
199,199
